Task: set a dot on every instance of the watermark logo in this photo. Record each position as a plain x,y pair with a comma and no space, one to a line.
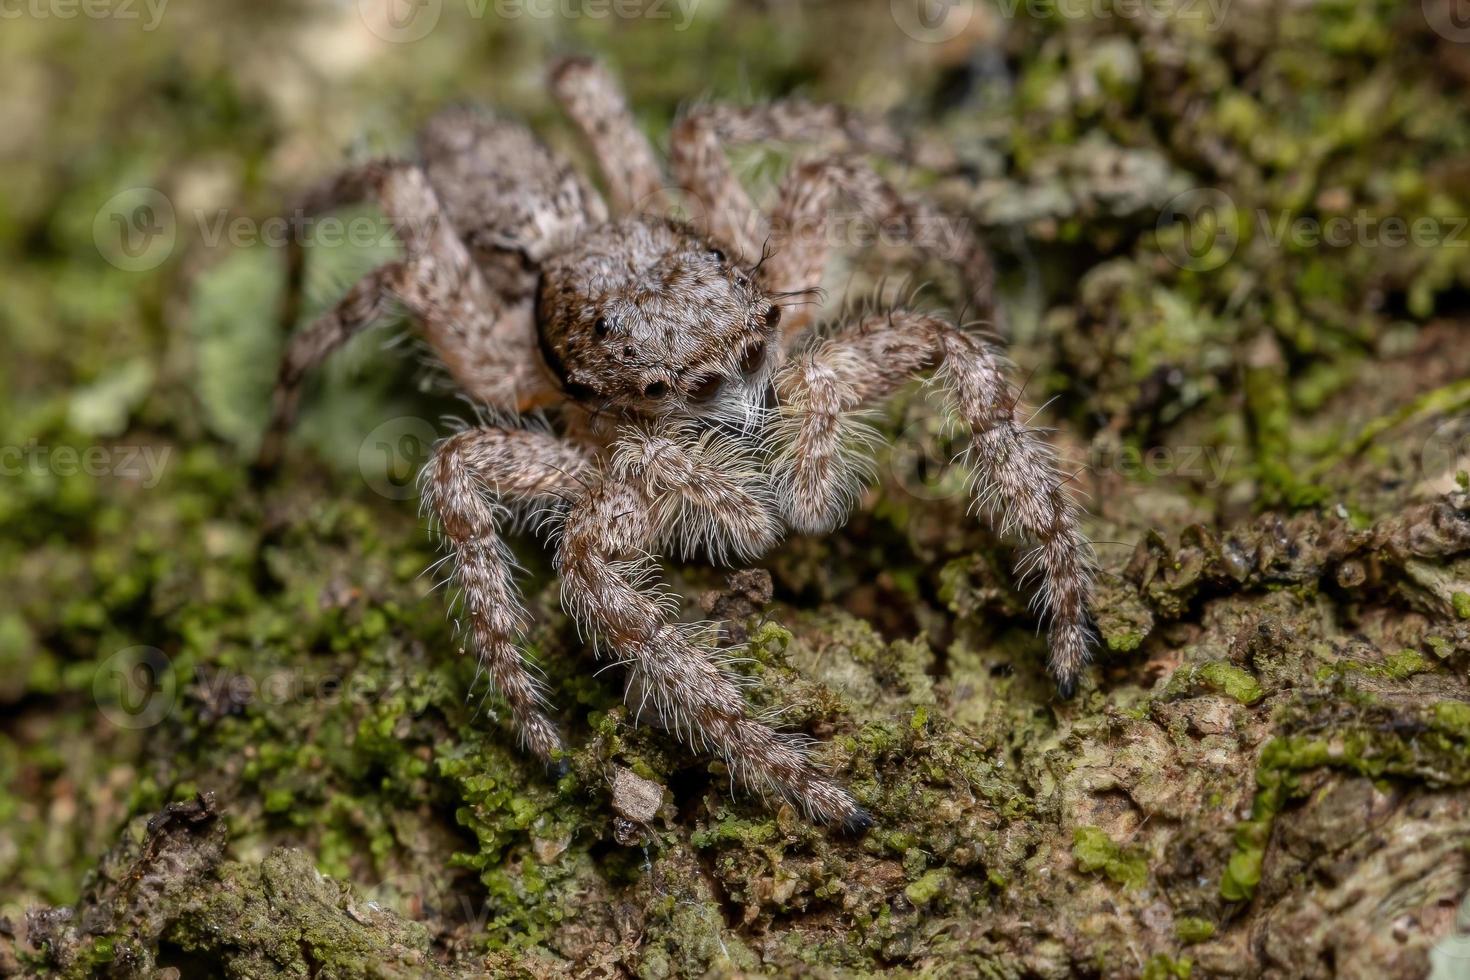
1206,467
930,460
927,459
1450,954
1446,452
135,688
400,21
676,204
391,456
1197,230
1450,19
138,229
1436,914
932,21
135,230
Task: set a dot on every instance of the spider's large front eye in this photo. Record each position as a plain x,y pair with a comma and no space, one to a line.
705,387
656,390
600,325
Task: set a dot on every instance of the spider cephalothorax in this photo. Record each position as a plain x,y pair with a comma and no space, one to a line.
693,407
614,314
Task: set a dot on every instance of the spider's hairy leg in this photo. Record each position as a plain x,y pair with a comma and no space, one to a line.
703,133
835,128
467,486
596,104
723,207
1016,474
486,343
365,304
353,185
613,523
802,221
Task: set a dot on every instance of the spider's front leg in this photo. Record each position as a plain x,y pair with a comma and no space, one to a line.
596,104
700,139
804,214
1016,473
601,558
475,219
467,487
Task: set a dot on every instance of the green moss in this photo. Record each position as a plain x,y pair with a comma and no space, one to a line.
927,888
1219,676
1461,601
1404,663
1453,718
1231,680
1191,929
1440,756
1096,853
1161,966
736,831
767,640
1267,398
1397,666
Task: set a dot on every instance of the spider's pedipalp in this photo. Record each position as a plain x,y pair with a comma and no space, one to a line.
1016,476
708,492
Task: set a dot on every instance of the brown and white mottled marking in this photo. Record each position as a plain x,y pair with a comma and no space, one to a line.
693,410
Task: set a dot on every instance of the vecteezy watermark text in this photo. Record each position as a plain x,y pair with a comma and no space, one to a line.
1205,465
939,21
139,687
1202,228
1208,12
150,12
144,464
138,229
406,21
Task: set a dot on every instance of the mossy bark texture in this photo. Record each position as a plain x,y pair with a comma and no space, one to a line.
239,735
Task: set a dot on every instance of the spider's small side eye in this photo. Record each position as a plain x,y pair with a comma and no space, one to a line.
773,317
719,255
705,387
754,357
600,325
656,390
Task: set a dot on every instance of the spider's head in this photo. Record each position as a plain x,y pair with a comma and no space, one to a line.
645,317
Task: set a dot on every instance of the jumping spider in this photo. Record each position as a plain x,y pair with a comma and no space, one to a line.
694,406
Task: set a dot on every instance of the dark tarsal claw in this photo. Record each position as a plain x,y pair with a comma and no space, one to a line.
858,822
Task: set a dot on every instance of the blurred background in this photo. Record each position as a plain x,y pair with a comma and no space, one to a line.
1236,267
